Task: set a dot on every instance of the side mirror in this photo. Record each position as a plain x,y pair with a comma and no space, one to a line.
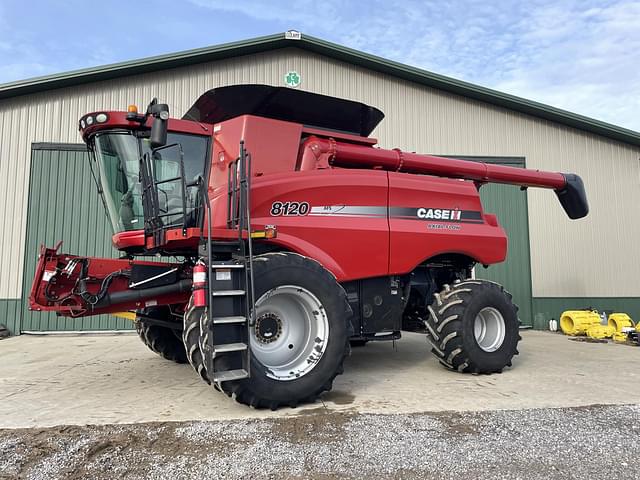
160,113
158,133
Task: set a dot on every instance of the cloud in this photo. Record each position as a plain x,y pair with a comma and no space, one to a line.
586,63
59,36
580,55
24,70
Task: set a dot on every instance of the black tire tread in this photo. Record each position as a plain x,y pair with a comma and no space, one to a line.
162,341
191,340
241,390
444,325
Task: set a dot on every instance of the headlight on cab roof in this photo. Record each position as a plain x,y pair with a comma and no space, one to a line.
93,119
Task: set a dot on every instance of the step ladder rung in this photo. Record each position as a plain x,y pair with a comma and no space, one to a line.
226,376
227,293
229,347
222,320
223,266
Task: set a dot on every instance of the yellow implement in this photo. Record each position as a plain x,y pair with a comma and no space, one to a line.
619,337
600,331
620,321
126,315
577,322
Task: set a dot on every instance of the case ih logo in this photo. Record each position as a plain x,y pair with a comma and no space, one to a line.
439,214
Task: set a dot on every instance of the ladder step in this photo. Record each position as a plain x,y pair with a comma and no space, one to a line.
229,347
220,320
230,375
227,293
223,266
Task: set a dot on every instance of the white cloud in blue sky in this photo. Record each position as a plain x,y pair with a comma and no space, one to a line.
582,56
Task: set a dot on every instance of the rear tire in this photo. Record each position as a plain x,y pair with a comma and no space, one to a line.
163,341
281,280
473,327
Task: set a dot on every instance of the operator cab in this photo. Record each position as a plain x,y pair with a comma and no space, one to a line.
128,149
116,162
147,166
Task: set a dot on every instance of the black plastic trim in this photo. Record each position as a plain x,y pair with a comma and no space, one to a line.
573,197
287,104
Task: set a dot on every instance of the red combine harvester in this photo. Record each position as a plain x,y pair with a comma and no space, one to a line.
289,237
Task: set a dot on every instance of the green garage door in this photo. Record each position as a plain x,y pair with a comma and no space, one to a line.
509,203
64,205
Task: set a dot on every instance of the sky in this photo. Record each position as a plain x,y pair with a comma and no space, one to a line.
582,55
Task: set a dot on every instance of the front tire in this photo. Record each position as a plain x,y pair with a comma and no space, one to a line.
163,341
473,327
300,337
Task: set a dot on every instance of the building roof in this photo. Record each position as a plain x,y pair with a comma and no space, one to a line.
328,49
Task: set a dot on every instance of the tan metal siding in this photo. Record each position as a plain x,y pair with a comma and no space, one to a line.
595,257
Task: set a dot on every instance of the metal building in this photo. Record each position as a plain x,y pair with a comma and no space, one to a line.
554,263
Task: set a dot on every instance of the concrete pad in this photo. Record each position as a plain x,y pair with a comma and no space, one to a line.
104,379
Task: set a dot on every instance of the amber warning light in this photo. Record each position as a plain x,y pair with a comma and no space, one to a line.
269,231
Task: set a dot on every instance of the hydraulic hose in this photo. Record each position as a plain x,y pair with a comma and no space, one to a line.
128,296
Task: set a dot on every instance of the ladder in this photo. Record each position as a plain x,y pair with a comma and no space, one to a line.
231,291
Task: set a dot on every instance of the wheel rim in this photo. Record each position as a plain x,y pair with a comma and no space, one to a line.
290,332
489,329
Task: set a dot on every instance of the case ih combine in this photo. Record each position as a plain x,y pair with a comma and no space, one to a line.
287,236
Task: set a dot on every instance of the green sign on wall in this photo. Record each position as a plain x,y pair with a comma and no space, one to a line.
292,79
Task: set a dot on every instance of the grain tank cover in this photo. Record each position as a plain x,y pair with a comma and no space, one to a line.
283,103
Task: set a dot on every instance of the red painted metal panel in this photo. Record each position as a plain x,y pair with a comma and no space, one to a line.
273,146
55,283
348,244
418,230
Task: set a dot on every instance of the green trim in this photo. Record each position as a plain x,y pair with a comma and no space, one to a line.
10,314
328,49
546,308
75,147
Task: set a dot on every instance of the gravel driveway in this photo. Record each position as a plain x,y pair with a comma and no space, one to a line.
585,442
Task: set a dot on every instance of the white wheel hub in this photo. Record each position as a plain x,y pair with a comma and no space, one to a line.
290,333
489,329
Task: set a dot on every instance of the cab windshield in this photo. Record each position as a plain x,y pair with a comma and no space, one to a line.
117,168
